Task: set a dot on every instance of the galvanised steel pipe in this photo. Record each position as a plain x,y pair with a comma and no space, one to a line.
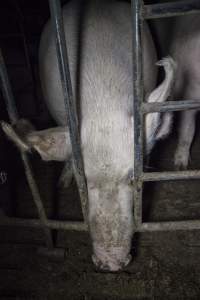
136,7
170,106
170,226
82,227
173,175
71,115
51,224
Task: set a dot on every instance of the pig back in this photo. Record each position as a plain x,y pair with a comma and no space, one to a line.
99,43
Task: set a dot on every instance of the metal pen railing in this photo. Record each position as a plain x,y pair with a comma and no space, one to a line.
139,13
13,116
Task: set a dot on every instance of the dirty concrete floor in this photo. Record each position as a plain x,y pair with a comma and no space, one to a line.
165,266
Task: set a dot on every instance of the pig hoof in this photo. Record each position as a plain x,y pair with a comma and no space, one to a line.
181,161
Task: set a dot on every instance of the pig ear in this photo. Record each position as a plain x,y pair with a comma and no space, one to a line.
51,144
163,91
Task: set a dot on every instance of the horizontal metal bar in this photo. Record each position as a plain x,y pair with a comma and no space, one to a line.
164,10
169,226
80,226
172,175
170,106
52,224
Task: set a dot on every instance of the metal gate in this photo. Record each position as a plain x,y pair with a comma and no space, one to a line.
140,12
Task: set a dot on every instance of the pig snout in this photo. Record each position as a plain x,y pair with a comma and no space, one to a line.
112,260
111,225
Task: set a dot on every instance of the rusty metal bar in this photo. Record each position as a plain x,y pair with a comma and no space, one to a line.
36,223
171,9
72,121
13,115
137,107
173,175
170,106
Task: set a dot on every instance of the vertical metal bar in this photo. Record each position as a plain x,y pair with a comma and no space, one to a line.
13,115
26,51
7,91
57,24
137,107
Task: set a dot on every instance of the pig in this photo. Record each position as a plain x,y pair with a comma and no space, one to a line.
99,42
180,38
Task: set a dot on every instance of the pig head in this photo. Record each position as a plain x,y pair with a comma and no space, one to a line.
102,84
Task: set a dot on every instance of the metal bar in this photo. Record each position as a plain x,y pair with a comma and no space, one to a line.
137,105
7,91
81,226
61,49
36,223
165,10
170,226
179,175
170,106
13,115
25,44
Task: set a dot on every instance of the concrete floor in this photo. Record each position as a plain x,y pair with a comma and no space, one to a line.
165,266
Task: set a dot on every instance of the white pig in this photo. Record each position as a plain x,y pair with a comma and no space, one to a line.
180,37
99,42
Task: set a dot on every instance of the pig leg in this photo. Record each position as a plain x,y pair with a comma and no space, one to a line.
186,135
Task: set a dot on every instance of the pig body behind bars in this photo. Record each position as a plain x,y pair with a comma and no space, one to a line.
99,43
180,37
